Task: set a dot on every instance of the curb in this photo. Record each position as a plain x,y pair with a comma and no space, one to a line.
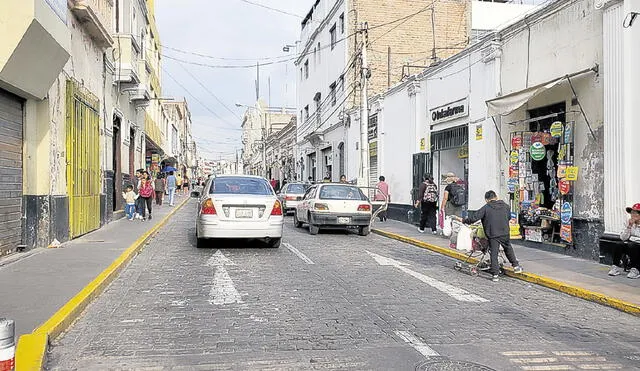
32,348
578,292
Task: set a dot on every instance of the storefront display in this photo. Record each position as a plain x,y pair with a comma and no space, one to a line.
540,184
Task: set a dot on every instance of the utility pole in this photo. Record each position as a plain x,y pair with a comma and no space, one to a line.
264,146
363,179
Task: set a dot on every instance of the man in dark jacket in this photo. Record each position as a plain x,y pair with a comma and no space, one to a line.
495,217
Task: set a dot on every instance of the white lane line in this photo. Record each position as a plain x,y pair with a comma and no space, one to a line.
585,359
298,253
613,366
417,344
572,353
454,292
223,291
534,360
524,353
547,368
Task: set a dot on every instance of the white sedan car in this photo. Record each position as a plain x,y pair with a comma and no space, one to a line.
329,205
239,206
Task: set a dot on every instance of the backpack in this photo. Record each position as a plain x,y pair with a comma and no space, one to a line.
430,193
146,191
457,196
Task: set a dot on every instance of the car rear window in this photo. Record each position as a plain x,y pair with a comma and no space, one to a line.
341,192
296,188
240,186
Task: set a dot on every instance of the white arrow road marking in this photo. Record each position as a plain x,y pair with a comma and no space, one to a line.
454,292
417,344
298,253
223,291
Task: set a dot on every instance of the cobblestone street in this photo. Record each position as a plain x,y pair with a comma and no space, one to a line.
325,302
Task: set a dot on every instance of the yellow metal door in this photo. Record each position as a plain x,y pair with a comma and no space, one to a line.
83,159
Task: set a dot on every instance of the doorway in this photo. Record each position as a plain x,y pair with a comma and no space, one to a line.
117,164
132,155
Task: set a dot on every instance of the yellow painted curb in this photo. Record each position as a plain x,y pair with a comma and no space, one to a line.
32,348
525,276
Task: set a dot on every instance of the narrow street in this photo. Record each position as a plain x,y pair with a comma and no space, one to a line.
332,301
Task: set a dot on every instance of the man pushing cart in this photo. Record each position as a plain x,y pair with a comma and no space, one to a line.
495,215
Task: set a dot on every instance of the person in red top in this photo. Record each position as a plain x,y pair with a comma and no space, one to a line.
382,194
146,193
273,183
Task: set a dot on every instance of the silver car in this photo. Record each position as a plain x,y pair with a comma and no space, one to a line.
291,195
239,206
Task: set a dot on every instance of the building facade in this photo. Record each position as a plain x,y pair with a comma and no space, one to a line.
280,153
328,68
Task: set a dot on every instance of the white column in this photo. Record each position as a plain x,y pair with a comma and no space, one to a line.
631,50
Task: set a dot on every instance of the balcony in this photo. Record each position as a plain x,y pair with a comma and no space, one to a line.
141,95
153,131
32,31
96,17
126,52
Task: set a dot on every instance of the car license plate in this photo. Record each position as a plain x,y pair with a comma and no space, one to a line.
244,213
344,220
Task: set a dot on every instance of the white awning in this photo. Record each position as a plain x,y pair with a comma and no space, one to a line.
506,104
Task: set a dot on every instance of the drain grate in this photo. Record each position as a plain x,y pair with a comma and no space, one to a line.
444,364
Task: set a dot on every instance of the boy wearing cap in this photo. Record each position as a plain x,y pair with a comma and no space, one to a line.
631,235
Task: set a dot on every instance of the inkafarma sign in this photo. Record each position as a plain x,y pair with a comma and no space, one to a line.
450,111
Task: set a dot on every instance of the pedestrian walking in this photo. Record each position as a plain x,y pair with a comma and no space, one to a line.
139,201
428,201
130,198
454,198
159,186
178,183
185,185
630,235
495,215
146,193
382,194
171,187
273,183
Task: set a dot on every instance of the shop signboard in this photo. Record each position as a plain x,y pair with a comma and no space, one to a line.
566,213
566,233
556,129
512,185
463,153
516,142
373,149
423,144
572,173
479,132
533,234
537,150
568,133
564,186
451,111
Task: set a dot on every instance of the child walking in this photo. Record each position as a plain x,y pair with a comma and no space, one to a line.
130,198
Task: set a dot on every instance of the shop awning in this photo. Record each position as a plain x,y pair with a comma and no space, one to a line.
506,104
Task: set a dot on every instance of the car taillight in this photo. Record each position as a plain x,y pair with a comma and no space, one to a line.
208,208
290,198
277,208
364,207
321,207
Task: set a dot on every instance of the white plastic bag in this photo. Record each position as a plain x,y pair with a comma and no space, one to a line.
464,240
447,229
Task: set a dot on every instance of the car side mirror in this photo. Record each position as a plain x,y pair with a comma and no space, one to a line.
195,194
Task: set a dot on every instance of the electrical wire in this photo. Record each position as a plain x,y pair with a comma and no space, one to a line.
210,92
273,9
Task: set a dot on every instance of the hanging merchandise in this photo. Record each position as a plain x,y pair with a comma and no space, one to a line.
537,151
566,233
566,213
516,142
557,129
568,133
572,173
562,171
513,157
564,186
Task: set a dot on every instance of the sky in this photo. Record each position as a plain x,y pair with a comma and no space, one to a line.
226,33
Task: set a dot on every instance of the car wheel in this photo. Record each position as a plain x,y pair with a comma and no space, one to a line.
363,231
275,243
200,242
296,222
314,229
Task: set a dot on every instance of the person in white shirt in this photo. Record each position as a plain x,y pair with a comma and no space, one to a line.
631,236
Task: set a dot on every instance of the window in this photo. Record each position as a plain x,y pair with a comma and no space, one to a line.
319,53
306,112
332,93
296,188
306,69
332,32
315,56
301,74
341,192
240,186
341,82
342,23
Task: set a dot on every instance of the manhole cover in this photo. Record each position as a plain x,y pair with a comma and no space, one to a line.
450,365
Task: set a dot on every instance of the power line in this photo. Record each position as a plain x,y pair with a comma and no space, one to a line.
210,92
182,51
273,9
226,66
198,100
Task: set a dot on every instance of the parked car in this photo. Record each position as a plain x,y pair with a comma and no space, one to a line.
330,205
291,195
239,206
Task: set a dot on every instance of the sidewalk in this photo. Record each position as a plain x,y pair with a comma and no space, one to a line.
35,284
584,274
